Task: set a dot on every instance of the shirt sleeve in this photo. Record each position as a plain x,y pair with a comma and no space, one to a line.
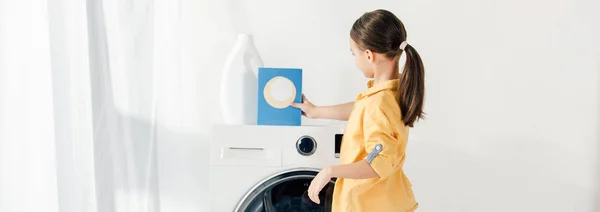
383,149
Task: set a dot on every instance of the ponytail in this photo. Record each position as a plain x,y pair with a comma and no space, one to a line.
411,87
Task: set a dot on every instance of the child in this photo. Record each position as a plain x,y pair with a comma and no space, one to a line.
371,177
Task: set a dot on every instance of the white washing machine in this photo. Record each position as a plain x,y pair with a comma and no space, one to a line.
269,168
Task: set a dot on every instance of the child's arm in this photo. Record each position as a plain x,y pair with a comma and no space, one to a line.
337,112
357,170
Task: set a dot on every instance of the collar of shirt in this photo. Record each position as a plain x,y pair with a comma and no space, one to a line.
374,88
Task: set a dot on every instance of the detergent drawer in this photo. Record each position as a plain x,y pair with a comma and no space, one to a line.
244,146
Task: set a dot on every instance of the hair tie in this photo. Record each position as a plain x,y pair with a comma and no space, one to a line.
403,45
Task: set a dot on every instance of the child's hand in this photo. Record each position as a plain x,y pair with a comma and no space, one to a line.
308,109
317,184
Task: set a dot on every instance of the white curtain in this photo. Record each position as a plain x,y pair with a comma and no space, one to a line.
84,87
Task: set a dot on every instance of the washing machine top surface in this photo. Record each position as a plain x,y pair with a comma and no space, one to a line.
277,146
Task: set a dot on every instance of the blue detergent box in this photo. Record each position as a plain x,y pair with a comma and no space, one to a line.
277,89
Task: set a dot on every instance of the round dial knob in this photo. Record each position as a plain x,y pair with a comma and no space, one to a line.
306,145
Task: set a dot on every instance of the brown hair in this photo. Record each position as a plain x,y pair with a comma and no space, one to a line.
382,32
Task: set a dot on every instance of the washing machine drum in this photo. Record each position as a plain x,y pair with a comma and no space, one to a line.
287,192
293,196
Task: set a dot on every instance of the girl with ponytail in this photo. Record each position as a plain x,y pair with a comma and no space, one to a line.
370,176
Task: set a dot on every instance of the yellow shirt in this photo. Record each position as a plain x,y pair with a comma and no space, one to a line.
375,119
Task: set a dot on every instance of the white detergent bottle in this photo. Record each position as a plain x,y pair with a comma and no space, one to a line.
239,84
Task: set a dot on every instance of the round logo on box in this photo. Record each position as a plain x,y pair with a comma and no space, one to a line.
279,92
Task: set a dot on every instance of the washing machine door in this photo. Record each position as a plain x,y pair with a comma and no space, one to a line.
286,191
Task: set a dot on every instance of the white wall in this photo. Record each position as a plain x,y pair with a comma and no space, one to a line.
513,95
